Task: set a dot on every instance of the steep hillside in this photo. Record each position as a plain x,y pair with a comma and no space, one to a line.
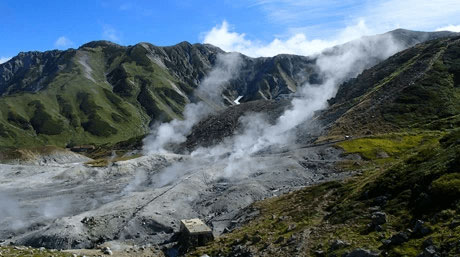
416,88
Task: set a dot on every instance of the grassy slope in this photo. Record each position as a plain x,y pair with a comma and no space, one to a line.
78,110
418,88
420,178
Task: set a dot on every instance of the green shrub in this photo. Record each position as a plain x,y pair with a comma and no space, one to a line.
87,104
4,132
117,102
138,54
451,138
147,101
18,120
117,117
98,127
66,110
43,122
447,186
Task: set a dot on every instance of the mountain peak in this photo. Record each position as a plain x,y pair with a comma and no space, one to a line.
100,43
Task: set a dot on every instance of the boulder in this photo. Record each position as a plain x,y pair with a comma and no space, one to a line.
429,251
107,251
379,218
420,229
338,244
362,253
399,238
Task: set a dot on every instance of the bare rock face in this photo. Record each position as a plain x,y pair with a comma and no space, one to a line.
45,64
215,128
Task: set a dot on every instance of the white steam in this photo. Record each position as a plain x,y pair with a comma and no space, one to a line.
227,66
11,215
15,216
209,91
257,134
335,65
55,208
139,178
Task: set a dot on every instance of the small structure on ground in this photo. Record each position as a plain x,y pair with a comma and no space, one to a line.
194,232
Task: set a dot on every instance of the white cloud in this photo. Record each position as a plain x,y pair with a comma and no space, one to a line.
293,11
4,59
454,28
298,43
424,15
381,15
110,33
337,22
63,42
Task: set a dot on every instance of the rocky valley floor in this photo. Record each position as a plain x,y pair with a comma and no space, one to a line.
140,202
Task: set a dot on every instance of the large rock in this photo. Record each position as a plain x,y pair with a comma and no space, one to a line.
362,253
420,229
429,251
379,218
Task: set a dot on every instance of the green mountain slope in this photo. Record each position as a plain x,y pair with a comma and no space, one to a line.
105,93
416,88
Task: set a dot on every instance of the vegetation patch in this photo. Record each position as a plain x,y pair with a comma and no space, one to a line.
87,103
66,109
117,102
43,122
98,163
5,132
387,145
98,127
417,194
27,153
18,120
447,185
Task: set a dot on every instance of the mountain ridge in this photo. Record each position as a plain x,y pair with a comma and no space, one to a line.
105,93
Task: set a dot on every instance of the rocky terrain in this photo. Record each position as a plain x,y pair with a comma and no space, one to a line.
141,201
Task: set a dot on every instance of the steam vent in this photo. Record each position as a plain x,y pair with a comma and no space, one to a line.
194,232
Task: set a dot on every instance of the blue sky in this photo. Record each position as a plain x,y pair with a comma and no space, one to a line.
254,27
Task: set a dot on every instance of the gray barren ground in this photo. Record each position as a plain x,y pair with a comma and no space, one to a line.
142,201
